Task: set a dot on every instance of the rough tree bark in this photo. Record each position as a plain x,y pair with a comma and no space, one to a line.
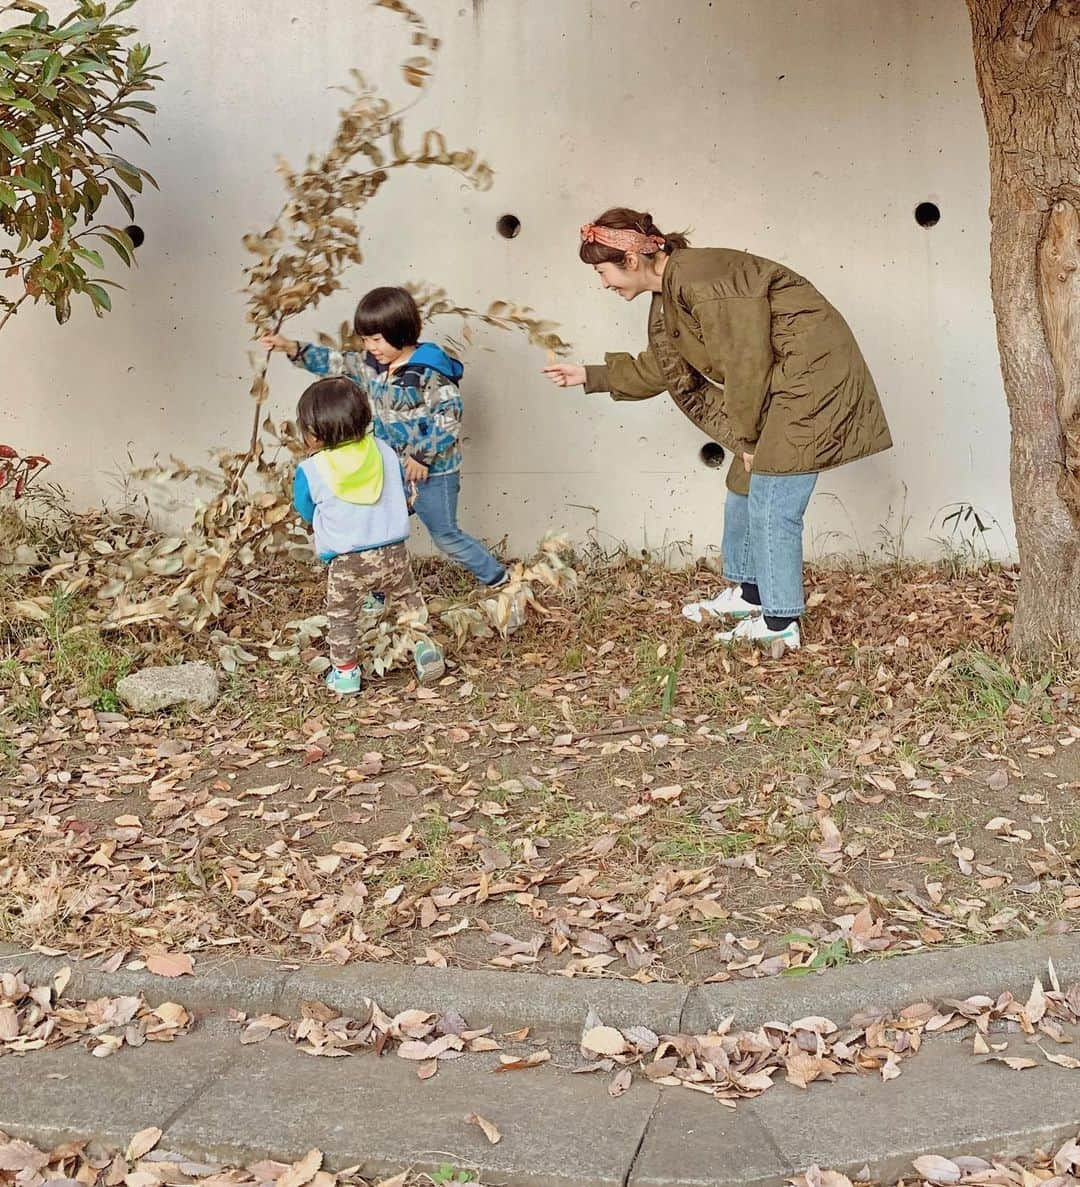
1027,57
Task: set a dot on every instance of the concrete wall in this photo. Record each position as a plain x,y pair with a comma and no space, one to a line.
806,132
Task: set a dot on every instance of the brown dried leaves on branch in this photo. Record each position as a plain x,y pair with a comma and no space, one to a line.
190,583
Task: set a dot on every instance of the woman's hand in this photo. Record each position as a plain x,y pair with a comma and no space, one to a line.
415,471
748,462
279,342
566,374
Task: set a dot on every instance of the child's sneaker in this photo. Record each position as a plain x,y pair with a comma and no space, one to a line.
345,683
729,603
374,603
756,630
430,664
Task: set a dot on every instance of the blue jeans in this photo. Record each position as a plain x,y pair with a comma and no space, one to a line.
436,508
763,539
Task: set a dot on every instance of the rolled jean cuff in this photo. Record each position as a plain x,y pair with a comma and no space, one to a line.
771,613
739,578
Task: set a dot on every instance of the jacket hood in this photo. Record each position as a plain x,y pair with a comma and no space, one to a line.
354,471
432,357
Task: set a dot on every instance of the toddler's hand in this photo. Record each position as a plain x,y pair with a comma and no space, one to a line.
415,471
279,342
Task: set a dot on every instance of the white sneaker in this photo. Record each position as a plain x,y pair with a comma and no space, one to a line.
729,603
756,630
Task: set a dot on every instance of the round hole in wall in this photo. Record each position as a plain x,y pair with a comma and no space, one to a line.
927,214
712,455
136,234
509,226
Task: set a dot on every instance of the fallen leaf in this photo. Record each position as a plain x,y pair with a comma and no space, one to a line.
302,1172
937,1169
604,1040
512,1064
21,1157
620,1082
142,1143
175,964
1016,1062
1066,1061
490,1131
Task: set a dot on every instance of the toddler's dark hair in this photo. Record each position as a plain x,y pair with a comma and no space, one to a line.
334,411
391,312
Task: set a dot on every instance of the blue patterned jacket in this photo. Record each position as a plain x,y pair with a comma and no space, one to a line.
417,409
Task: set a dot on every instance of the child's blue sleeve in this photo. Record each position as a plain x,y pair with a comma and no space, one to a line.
321,360
303,503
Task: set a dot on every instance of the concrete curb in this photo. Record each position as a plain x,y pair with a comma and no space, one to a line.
556,1007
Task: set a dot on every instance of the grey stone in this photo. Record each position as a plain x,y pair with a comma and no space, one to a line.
219,984
554,1007
154,689
57,1095
945,1102
557,1130
693,1141
890,983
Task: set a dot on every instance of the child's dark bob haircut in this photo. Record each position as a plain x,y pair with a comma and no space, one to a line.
391,312
334,411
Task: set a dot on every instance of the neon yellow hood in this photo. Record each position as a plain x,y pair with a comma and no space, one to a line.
354,471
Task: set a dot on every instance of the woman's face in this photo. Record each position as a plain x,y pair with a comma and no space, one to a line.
629,281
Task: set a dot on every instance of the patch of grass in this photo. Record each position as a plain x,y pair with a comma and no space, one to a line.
573,659
681,840
447,1175
80,656
980,690
8,757
561,818
20,687
833,955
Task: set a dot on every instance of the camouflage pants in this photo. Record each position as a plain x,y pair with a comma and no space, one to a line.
351,578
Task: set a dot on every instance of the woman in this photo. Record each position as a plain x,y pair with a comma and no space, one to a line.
757,358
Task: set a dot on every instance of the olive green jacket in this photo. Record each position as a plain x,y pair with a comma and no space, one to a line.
757,358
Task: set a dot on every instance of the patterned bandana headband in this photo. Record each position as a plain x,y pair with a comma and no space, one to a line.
635,241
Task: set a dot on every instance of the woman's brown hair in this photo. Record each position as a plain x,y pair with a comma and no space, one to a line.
622,218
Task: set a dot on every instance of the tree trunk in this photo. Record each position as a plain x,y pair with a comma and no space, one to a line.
1027,57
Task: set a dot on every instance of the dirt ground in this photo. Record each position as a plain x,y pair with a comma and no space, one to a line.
609,792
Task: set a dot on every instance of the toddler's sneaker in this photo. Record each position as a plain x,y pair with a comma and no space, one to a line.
756,630
729,603
345,683
374,603
430,664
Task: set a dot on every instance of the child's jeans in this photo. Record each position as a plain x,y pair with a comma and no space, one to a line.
350,579
436,506
763,539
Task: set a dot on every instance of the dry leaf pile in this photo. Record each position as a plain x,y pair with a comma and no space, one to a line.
419,1036
731,1065
536,810
1059,1168
85,1164
33,1018
193,581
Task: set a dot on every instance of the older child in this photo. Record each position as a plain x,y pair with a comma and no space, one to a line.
352,494
413,388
